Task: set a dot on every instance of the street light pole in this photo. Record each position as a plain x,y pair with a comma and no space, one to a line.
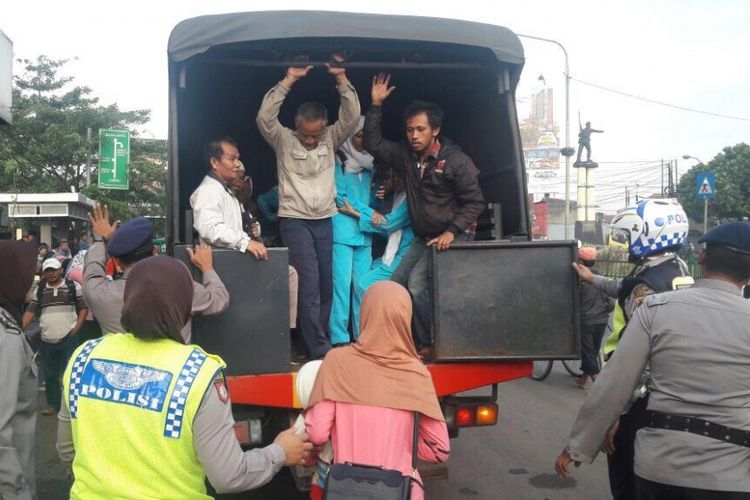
567,128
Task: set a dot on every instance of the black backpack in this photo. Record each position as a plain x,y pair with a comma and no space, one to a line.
71,291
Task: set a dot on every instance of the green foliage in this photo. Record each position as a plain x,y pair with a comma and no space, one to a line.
732,169
46,148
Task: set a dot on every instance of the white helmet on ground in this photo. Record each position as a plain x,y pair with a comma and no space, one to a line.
652,226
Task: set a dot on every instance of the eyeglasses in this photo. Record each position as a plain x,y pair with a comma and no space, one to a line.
305,135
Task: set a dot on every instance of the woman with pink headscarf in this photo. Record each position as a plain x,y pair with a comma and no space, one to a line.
377,384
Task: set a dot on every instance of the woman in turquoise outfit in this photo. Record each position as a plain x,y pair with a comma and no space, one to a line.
396,227
352,248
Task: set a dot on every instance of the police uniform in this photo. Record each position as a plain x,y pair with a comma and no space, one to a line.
18,411
696,345
157,422
657,273
105,296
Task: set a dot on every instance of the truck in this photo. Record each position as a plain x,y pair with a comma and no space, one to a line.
498,302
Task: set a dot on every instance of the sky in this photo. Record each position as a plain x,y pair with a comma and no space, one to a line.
686,53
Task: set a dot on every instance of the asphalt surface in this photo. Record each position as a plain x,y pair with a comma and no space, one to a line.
513,460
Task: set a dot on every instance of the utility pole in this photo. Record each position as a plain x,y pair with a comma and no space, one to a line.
670,184
662,177
88,156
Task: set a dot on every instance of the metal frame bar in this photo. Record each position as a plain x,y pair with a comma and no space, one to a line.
321,64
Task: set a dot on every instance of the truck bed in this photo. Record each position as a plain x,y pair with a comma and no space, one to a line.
277,389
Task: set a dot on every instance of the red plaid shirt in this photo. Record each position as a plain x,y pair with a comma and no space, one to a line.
432,154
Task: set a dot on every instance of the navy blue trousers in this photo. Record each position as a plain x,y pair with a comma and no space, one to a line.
310,244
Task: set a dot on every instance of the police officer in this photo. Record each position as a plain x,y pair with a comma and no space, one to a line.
150,417
653,230
695,442
128,245
18,374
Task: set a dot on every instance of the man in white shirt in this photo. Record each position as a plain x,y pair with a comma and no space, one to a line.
217,215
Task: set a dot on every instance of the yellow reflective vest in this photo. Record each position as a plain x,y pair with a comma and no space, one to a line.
132,404
620,320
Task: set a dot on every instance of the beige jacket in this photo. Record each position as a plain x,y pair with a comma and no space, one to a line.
307,189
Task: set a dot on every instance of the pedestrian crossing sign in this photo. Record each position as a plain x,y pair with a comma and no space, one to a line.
705,185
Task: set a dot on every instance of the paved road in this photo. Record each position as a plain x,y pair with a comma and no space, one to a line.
513,460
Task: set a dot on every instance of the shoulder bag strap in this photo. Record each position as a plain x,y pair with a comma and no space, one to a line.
415,441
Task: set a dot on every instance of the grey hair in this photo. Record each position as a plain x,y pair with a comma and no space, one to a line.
311,112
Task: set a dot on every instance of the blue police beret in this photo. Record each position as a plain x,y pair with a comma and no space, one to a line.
735,236
131,236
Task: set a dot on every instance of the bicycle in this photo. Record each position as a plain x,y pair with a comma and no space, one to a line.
542,368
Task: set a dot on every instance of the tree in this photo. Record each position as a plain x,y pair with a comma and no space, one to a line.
732,169
47,147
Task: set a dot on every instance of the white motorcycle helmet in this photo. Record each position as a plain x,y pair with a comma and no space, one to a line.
652,226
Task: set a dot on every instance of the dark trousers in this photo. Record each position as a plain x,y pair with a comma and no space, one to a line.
54,360
414,273
591,342
582,145
649,490
310,244
620,463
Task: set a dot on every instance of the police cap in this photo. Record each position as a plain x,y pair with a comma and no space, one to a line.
734,236
131,236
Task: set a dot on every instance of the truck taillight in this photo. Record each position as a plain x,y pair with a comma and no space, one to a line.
249,432
487,415
476,415
465,417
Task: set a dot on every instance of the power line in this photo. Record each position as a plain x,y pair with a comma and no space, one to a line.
661,103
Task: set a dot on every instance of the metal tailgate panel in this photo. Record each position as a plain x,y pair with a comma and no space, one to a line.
252,335
506,300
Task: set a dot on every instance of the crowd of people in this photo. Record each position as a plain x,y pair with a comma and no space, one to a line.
123,398
142,403
340,186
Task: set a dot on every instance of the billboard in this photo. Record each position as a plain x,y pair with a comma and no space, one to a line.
541,146
6,78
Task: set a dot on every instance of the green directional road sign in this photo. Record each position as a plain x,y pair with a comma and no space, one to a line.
114,155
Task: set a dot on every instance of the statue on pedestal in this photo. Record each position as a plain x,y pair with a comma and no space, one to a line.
584,141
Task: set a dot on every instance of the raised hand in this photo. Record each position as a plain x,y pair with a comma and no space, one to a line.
294,73
333,69
380,89
298,73
100,225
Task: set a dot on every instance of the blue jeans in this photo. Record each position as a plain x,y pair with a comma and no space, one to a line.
413,272
310,244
